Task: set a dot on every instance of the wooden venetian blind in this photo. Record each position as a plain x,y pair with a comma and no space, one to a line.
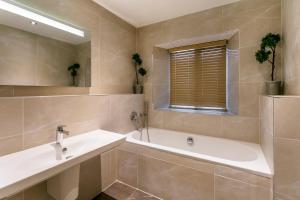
198,75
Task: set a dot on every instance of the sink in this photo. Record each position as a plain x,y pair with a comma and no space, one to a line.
23,169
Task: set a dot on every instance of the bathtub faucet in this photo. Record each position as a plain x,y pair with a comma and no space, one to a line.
137,121
140,121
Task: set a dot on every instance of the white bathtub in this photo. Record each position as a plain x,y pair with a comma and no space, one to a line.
243,155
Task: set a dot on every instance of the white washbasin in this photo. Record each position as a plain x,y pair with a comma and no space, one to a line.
23,169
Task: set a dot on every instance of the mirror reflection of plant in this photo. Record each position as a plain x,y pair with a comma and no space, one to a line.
139,70
267,48
73,69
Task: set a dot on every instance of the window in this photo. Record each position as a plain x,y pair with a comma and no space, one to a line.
198,76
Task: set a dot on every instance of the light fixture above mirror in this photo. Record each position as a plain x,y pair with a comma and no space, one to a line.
18,10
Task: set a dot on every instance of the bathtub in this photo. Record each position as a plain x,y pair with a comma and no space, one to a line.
241,155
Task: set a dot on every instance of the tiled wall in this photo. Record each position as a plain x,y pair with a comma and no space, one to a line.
267,128
287,148
19,91
291,50
34,60
253,19
113,41
280,139
30,121
173,177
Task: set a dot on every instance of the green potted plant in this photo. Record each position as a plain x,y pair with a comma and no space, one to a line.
139,71
73,69
267,53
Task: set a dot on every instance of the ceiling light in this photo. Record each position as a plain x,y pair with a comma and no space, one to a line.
33,23
39,18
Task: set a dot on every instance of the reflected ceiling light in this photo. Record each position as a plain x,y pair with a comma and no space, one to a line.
39,18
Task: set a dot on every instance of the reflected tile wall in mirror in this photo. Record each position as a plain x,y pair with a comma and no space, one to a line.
36,54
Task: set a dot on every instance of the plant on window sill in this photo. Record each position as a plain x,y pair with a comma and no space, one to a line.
140,72
267,50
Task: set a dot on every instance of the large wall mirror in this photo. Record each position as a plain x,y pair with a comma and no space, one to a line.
36,50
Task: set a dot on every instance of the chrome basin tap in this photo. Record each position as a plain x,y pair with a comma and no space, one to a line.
60,132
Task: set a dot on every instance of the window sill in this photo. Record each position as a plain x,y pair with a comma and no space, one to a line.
205,112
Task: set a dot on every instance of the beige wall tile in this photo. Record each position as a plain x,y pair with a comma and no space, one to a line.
287,175
90,178
16,197
116,62
249,99
37,192
11,117
287,113
127,167
188,26
120,109
170,181
79,108
291,48
240,128
250,71
267,115
203,124
39,138
40,121
6,91
173,120
108,168
229,189
267,128
40,113
76,128
170,158
243,176
48,91
282,197
11,145
156,118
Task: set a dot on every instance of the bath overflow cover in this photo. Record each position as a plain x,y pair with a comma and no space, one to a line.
190,140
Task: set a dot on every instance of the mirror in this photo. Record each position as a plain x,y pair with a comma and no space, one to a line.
36,50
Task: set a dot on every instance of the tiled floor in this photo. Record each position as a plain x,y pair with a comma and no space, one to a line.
119,191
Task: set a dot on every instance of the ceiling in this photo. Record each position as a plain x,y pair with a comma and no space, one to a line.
144,12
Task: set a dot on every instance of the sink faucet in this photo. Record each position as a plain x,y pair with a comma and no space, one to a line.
60,132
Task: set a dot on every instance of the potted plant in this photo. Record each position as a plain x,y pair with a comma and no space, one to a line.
139,71
267,53
73,69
